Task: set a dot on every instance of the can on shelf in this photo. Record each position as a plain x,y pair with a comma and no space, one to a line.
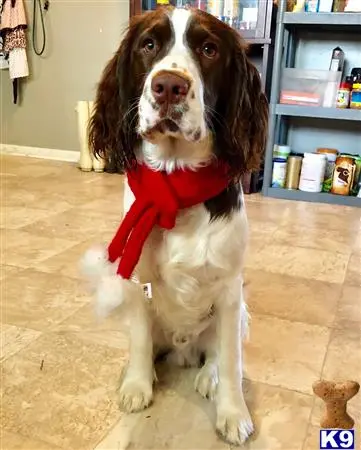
343,96
312,172
215,7
343,175
231,12
331,155
279,172
293,171
201,4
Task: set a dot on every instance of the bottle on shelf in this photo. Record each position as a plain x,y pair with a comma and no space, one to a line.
343,95
355,102
343,175
312,172
311,5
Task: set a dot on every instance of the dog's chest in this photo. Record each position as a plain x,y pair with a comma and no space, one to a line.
189,265
188,268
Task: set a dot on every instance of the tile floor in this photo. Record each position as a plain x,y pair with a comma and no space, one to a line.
60,368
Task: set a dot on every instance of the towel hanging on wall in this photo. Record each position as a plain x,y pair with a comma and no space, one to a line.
13,31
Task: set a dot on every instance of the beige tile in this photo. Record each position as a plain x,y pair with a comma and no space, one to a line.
13,441
83,187
67,263
38,300
10,182
85,320
264,231
291,298
324,217
343,362
312,441
22,249
111,331
348,313
8,270
76,225
13,339
62,390
285,354
357,244
353,273
23,198
301,262
9,163
340,241
267,212
38,168
15,217
280,418
112,204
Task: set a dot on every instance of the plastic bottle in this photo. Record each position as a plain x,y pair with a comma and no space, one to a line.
311,5
312,172
355,102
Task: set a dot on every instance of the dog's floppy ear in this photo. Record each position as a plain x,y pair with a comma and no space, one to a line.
245,112
113,123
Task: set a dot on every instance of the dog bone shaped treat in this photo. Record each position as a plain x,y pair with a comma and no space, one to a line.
336,396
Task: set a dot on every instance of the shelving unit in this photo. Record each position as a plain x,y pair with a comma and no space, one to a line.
352,21
290,27
316,112
320,197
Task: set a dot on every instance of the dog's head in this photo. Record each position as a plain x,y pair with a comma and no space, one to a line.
182,84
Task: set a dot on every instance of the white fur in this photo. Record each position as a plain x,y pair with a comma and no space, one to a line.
179,54
110,289
95,263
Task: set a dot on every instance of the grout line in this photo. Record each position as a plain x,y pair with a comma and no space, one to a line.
274,316
309,423
314,398
283,388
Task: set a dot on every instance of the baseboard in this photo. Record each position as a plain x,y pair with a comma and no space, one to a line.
39,152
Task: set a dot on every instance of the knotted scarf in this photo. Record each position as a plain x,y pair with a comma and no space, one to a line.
158,198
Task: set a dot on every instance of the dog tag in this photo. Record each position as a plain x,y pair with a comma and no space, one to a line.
147,289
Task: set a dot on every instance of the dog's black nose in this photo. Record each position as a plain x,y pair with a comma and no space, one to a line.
169,88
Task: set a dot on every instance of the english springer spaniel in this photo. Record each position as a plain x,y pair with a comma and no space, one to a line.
181,92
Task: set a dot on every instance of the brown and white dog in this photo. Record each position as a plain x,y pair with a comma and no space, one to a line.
179,92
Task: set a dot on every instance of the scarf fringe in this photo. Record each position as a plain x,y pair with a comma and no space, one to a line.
111,290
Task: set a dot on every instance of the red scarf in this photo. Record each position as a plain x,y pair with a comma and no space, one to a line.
158,198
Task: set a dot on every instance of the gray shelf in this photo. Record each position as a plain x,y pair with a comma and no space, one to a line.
316,112
319,197
349,22
258,41
287,38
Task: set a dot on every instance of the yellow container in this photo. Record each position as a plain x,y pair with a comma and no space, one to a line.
356,96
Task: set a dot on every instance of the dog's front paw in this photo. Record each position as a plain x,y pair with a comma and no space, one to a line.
135,394
207,380
234,423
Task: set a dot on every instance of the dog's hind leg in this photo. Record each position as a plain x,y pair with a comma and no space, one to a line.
206,381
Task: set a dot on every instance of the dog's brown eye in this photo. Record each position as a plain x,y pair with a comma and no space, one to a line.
148,45
209,49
